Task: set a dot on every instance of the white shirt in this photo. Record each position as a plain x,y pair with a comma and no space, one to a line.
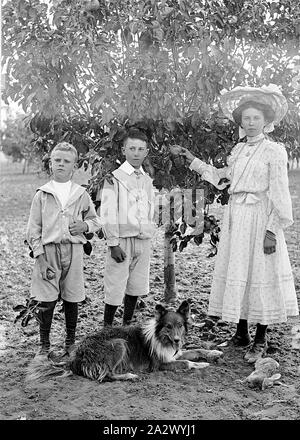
127,206
62,190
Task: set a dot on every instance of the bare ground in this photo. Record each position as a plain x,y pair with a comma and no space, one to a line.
211,394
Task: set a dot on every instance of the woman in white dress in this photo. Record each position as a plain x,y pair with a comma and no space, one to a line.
253,280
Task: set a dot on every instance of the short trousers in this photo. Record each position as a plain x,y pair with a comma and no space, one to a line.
130,277
67,261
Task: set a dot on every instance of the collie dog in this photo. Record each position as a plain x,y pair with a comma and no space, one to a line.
118,353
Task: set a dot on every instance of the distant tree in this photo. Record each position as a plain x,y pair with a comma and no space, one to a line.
16,140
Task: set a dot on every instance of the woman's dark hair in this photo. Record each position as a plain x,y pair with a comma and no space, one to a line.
267,111
135,133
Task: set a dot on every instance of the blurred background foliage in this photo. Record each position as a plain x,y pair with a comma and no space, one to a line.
83,71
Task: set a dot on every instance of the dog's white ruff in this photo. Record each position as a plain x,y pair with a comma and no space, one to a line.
164,353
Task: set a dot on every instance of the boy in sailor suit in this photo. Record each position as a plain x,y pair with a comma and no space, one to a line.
61,212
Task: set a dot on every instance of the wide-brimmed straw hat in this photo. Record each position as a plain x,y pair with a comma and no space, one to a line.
268,95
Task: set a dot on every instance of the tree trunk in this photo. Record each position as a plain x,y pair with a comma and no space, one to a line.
25,166
170,293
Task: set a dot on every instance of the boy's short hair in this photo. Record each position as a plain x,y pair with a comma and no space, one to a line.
65,146
135,133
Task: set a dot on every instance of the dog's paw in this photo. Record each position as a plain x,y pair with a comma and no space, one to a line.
198,365
131,376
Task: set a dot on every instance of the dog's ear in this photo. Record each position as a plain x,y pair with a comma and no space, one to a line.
160,311
184,309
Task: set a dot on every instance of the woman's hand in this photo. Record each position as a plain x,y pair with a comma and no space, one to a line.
117,254
269,243
176,150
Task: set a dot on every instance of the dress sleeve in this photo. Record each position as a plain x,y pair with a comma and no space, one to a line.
280,204
34,226
210,173
109,212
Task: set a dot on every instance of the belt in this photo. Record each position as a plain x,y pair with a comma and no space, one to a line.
246,198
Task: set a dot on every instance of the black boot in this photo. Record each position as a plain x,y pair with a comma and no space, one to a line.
71,315
129,307
241,337
45,314
109,313
261,333
259,346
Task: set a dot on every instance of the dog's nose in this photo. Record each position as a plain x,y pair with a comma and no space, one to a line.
176,340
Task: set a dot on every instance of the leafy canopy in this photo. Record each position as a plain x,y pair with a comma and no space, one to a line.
86,69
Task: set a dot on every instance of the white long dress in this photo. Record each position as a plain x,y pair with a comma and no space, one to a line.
247,283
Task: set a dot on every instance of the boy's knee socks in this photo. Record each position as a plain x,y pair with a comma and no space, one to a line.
71,316
129,307
109,313
46,310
